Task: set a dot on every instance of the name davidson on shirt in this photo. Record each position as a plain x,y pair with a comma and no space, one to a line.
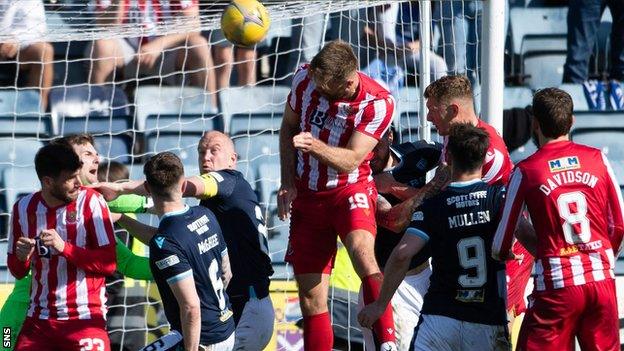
568,177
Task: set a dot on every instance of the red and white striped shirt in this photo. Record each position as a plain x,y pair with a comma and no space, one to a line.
576,207
334,122
70,284
497,166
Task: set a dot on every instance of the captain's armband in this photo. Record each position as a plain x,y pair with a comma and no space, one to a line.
210,182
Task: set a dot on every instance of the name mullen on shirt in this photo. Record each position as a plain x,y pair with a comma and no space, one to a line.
568,177
468,219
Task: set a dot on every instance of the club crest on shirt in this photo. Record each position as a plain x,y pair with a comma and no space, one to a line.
564,164
71,216
344,110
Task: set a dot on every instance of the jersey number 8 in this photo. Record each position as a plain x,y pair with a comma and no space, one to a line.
581,233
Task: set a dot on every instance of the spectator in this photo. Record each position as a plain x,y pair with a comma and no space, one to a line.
398,45
24,22
583,22
160,55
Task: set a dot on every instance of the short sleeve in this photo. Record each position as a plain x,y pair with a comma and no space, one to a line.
377,117
168,260
295,96
418,226
219,183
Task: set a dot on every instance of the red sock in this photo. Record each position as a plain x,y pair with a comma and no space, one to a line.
383,329
317,333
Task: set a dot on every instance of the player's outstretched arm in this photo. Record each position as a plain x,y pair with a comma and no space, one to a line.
139,230
190,313
397,218
111,191
394,273
287,191
131,265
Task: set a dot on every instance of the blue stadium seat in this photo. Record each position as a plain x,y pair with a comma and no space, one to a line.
183,144
163,100
17,182
243,123
538,29
40,126
407,101
251,100
518,97
18,152
183,123
95,125
114,147
254,149
578,96
20,102
67,102
544,70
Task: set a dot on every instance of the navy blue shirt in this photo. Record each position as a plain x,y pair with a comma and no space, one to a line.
189,243
415,160
236,206
467,284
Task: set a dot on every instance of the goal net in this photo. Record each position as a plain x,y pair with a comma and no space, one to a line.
129,73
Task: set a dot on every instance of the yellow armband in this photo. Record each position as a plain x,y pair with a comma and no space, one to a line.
210,185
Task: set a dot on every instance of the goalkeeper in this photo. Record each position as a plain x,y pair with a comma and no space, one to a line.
14,311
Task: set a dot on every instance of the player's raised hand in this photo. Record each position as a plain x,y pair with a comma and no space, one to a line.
370,314
285,197
110,191
303,141
24,248
50,238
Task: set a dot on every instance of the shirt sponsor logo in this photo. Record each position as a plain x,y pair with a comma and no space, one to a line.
167,262
199,226
564,164
318,118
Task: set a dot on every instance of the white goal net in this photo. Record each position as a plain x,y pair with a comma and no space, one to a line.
131,74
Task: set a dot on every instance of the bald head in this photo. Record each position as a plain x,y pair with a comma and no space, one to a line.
216,152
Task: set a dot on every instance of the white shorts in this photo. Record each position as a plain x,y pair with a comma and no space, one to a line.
225,345
255,327
439,333
406,305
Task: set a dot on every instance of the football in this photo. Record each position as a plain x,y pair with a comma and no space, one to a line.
245,22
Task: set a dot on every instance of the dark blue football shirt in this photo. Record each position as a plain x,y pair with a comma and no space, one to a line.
459,223
189,243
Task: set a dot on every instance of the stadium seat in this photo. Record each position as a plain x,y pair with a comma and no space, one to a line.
243,123
20,102
578,96
18,152
163,100
254,149
67,102
17,182
39,126
95,125
183,144
183,123
544,70
251,100
538,29
518,97
604,130
114,147
407,101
